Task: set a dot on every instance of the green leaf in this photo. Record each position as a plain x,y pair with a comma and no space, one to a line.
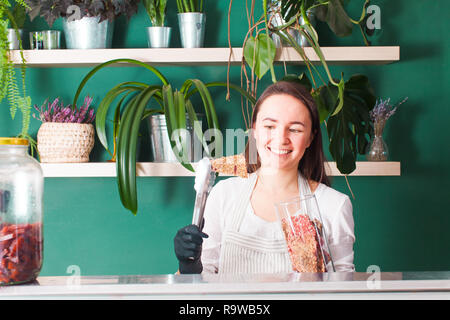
122,165
301,79
208,104
321,106
180,108
126,149
107,63
197,128
260,53
336,17
341,88
348,129
156,10
173,106
244,93
103,107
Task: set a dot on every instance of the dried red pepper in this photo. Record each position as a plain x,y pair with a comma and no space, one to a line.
20,252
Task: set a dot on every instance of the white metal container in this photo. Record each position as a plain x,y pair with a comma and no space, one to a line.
160,143
158,37
88,33
13,41
192,29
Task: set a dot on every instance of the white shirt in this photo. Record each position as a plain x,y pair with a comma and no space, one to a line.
335,208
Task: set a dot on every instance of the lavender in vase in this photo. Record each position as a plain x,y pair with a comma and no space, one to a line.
380,113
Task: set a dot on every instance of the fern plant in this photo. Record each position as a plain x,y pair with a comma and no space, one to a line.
10,86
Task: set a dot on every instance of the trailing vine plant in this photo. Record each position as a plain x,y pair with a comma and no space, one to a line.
344,106
10,87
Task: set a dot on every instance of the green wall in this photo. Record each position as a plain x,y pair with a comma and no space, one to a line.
400,222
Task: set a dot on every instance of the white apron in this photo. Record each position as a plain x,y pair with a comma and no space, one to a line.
241,253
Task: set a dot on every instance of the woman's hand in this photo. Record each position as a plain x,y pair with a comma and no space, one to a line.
188,248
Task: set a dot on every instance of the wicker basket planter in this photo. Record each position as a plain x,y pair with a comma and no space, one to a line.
65,142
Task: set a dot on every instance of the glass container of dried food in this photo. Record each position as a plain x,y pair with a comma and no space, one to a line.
305,234
21,191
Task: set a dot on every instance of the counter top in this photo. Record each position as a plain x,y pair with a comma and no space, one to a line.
358,285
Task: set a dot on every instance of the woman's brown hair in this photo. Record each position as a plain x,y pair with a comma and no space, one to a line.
312,164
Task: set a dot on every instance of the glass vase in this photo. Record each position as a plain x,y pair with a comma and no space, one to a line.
21,192
306,238
377,150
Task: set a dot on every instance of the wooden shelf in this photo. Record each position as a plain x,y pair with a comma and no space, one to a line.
150,169
200,56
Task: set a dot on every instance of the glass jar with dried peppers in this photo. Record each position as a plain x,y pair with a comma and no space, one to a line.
21,191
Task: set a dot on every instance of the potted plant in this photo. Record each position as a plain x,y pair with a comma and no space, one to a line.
66,133
276,19
158,35
10,87
88,24
191,21
132,108
344,106
381,112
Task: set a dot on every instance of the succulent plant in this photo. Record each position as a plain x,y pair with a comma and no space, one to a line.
57,112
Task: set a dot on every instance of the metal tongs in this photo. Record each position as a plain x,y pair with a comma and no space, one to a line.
204,181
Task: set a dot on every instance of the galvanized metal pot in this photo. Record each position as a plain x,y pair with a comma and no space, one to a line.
277,21
160,143
88,33
13,41
158,37
192,29
47,39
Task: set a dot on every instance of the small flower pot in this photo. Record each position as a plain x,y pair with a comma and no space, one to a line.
160,143
13,41
47,39
192,29
158,37
65,142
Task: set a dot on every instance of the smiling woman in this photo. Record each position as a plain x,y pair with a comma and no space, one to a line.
282,142
293,106
241,233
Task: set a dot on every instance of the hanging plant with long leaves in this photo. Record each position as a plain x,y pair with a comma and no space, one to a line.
132,108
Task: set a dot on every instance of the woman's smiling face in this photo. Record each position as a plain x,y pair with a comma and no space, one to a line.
282,131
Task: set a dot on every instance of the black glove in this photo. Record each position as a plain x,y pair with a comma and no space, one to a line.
188,248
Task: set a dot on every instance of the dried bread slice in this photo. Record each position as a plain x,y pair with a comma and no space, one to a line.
232,165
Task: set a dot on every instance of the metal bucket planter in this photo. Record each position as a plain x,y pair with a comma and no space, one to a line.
88,33
47,39
158,37
13,41
192,29
65,142
160,143
277,21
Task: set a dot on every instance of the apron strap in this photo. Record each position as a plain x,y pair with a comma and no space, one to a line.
303,186
242,202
